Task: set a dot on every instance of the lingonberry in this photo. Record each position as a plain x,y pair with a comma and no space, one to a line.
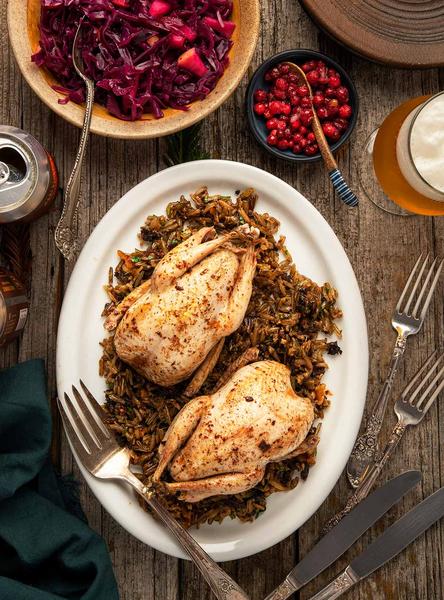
310,150
329,129
272,123
309,66
306,116
345,111
279,94
340,124
302,91
342,94
274,73
332,106
282,144
322,79
260,96
281,83
285,108
294,122
318,99
313,77
334,81
322,112
275,107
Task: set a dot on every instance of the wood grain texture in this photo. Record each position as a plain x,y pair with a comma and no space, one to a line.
401,33
381,247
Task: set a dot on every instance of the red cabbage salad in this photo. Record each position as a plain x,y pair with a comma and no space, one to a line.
143,55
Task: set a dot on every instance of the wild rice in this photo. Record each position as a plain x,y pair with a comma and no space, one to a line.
286,314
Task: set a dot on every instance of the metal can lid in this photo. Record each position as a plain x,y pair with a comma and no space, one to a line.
25,162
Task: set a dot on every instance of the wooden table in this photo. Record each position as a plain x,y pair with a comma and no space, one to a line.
381,247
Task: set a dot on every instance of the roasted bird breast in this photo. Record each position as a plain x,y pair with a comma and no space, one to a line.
221,443
198,293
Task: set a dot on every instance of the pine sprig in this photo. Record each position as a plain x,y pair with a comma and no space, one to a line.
184,146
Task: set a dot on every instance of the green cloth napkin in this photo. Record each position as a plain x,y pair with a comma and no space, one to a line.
46,551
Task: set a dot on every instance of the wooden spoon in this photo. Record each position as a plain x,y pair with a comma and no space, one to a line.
335,174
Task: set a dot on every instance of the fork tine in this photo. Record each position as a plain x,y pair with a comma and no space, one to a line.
406,287
95,410
88,418
432,289
432,383
417,376
72,433
80,424
418,279
435,393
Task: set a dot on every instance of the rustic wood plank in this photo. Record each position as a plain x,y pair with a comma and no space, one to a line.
381,248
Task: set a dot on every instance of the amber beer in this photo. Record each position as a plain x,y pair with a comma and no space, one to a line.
408,155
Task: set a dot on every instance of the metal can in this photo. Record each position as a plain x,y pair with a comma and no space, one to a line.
14,306
28,176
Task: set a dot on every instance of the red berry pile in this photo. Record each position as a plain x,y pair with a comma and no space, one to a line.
286,107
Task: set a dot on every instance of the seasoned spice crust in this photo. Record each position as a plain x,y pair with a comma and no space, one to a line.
286,313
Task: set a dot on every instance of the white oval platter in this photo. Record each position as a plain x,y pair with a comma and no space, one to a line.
317,253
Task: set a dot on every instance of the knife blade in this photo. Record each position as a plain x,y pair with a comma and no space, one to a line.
394,539
341,537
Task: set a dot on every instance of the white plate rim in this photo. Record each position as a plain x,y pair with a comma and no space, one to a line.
109,494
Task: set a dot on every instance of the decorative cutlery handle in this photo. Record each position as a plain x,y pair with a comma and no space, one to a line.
222,585
342,189
65,235
366,446
282,592
338,586
370,479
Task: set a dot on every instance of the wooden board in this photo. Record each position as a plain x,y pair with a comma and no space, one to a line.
381,248
408,33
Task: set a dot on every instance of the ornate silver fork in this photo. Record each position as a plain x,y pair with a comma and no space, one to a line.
412,406
65,234
97,449
406,321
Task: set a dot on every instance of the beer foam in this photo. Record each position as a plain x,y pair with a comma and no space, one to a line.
427,143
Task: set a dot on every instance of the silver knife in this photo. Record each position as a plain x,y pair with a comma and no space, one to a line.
388,545
340,538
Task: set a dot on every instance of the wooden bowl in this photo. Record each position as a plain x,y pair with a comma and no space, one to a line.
408,33
23,19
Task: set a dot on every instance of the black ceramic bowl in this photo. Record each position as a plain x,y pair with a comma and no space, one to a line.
257,123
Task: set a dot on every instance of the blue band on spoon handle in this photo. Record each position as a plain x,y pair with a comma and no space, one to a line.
342,188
